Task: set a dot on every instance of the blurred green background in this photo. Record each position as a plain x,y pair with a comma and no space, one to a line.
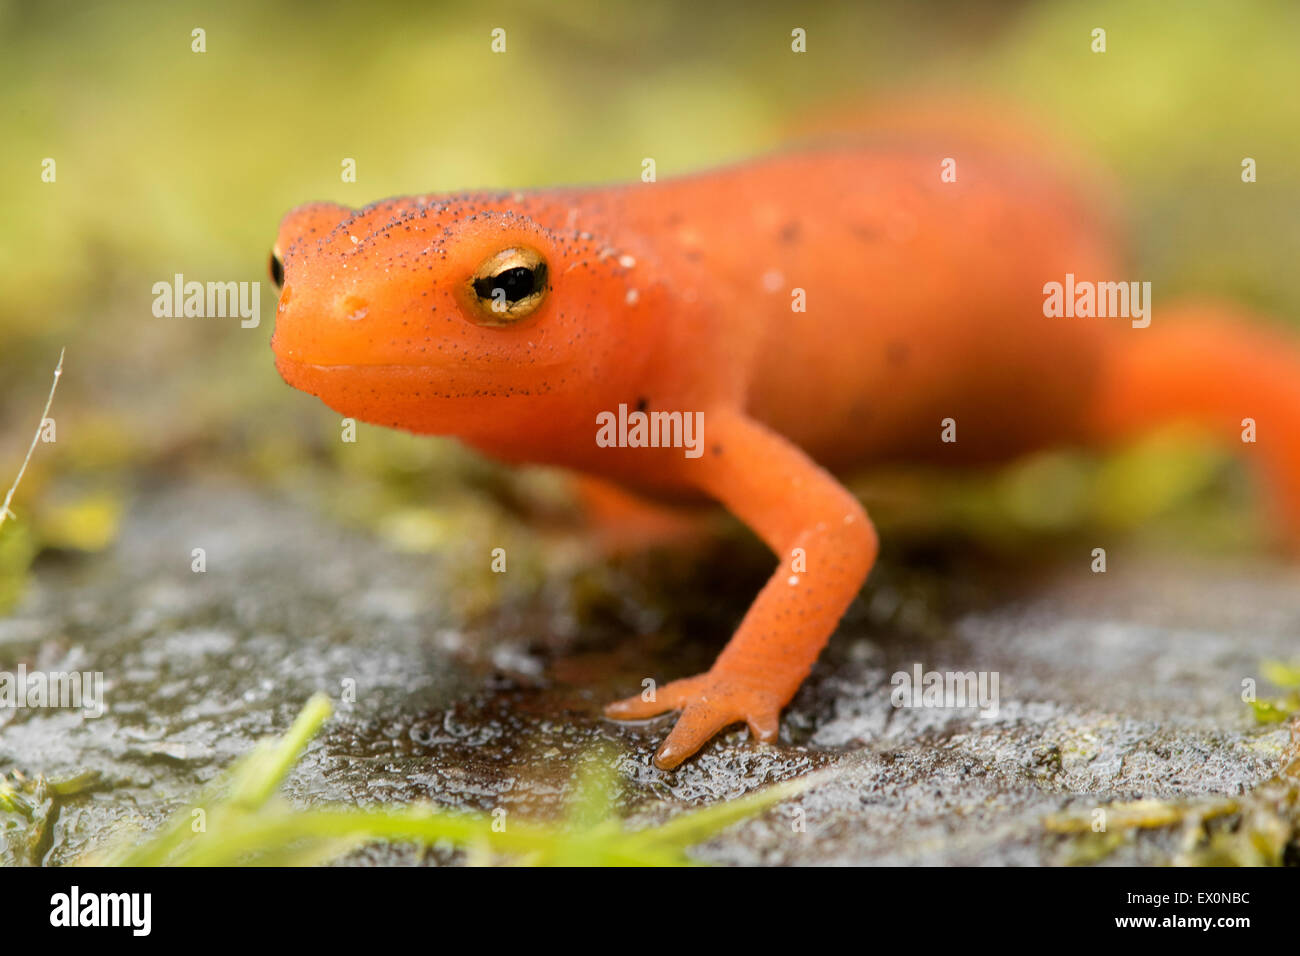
171,161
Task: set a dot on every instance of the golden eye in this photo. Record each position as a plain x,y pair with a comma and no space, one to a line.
277,269
508,286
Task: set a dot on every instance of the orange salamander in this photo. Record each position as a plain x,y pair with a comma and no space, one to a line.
815,310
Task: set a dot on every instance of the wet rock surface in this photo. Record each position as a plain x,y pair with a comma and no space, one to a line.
1112,687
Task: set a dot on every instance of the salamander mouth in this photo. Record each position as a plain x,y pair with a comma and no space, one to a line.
450,366
344,386
354,366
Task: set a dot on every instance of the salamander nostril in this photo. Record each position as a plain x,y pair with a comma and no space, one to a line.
355,308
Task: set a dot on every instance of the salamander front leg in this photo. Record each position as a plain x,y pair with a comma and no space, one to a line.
826,546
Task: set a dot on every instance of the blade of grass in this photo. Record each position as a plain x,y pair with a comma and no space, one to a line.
250,827
696,826
5,513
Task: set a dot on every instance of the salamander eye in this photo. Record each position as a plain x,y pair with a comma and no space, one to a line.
508,286
277,269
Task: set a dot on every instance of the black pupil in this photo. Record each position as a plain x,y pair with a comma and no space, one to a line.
277,271
517,283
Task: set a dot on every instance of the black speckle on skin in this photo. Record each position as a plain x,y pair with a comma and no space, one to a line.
642,404
790,232
717,449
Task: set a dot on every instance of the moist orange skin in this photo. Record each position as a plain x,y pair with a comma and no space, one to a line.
924,302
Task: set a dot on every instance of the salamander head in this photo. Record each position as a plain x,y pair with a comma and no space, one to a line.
426,313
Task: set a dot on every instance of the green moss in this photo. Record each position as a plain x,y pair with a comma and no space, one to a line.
1260,828
28,808
1274,710
1282,673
